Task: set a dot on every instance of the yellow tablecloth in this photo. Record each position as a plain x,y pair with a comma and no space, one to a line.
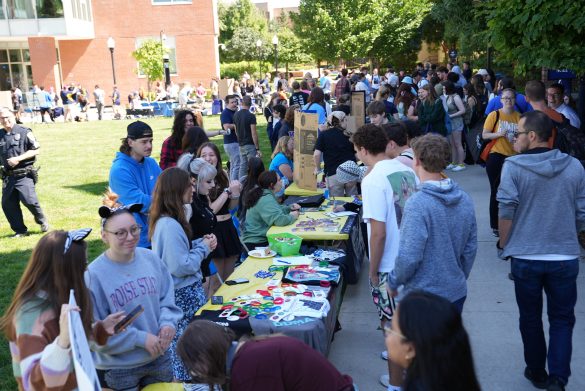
294,190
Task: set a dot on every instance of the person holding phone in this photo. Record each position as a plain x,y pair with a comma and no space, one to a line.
37,320
121,278
171,237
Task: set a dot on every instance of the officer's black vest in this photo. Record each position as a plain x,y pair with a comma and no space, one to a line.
14,144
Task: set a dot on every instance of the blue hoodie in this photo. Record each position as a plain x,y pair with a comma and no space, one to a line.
438,241
134,183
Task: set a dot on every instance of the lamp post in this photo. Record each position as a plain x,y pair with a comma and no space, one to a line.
275,43
167,70
112,46
258,46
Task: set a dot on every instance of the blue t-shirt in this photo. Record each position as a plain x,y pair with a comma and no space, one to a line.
279,159
227,117
316,107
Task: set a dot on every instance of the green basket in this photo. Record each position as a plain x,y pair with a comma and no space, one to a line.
287,248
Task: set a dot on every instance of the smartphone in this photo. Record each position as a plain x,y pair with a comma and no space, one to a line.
237,281
128,319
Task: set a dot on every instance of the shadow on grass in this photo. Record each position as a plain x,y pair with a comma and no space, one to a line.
13,264
97,188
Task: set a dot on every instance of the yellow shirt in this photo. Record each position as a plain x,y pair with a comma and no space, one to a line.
507,122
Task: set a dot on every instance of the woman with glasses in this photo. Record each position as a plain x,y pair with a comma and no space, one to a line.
499,129
170,234
427,338
36,321
123,278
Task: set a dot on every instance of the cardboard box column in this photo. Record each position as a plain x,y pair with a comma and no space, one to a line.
306,131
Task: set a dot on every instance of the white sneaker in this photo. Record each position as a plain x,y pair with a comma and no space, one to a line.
384,355
459,167
385,380
450,166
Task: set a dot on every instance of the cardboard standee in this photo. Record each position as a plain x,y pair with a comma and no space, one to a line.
358,107
306,132
225,88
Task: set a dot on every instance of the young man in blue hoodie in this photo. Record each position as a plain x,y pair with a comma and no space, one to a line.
134,173
438,234
541,210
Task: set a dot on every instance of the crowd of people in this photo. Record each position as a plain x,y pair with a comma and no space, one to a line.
175,230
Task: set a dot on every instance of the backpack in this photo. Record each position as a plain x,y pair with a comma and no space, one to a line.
467,117
570,140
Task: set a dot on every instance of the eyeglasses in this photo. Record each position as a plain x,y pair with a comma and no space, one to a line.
517,134
507,98
123,234
389,330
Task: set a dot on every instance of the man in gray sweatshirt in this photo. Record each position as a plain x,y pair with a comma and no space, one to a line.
438,233
541,209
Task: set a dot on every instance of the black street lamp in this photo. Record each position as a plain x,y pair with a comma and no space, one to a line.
112,46
275,43
167,70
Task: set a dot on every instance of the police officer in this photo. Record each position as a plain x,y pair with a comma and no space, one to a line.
18,148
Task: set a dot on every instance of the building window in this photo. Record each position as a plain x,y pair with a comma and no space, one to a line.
168,2
15,69
169,44
49,8
20,9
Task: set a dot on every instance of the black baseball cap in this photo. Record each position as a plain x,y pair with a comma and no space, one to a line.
138,129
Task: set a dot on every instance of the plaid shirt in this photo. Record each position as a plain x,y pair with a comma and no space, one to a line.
169,154
342,87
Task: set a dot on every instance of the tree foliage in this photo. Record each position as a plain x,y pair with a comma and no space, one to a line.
150,60
538,33
239,14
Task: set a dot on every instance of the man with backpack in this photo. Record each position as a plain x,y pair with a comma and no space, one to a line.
342,86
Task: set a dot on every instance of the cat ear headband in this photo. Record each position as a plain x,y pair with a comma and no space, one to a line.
106,212
75,236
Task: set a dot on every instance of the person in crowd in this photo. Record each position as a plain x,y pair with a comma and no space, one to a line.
270,120
362,85
377,112
499,128
397,147
342,86
317,104
247,136
343,104
385,190
230,138
287,127
383,95
255,168
425,329
298,97
305,87
223,197
521,105
334,146
282,161
271,362
18,151
263,211
403,101
36,321
473,115
430,112
555,94
423,261
455,111
538,231
134,173
193,139
325,83
278,116
172,146
536,97
139,356
170,234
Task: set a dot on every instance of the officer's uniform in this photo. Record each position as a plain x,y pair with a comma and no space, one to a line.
17,182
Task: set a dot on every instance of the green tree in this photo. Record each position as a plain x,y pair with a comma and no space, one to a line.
150,60
242,46
241,13
290,46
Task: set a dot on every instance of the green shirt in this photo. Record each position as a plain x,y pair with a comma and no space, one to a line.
266,213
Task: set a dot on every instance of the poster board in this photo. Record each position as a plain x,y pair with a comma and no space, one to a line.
306,132
87,378
225,88
358,107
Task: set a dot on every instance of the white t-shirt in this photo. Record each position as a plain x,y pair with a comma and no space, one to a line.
570,114
384,192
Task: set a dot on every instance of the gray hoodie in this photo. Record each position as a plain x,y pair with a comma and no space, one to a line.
438,241
543,193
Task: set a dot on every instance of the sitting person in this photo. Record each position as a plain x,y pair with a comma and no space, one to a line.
282,161
267,362
37,320
255,168
193,139
263,211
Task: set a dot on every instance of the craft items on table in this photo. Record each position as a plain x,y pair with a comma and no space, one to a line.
313,275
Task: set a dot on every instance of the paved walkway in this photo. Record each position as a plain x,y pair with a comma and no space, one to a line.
490,315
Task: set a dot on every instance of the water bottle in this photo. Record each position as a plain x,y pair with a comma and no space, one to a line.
326,193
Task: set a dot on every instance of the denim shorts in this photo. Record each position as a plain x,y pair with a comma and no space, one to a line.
132,379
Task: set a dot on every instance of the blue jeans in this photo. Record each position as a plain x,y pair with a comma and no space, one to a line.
559,281
233,152
247,152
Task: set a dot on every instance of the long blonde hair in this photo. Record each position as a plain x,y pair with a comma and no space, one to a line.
282,146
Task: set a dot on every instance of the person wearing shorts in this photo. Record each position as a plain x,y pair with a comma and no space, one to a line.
385,304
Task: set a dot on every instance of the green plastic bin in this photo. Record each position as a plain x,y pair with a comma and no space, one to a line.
285,248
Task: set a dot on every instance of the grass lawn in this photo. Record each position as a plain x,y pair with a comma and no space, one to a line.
75,161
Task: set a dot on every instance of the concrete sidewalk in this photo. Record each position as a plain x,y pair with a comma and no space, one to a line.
490,315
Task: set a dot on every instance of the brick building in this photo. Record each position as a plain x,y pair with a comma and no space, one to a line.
51,42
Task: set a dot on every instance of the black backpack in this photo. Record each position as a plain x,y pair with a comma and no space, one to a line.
570,140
